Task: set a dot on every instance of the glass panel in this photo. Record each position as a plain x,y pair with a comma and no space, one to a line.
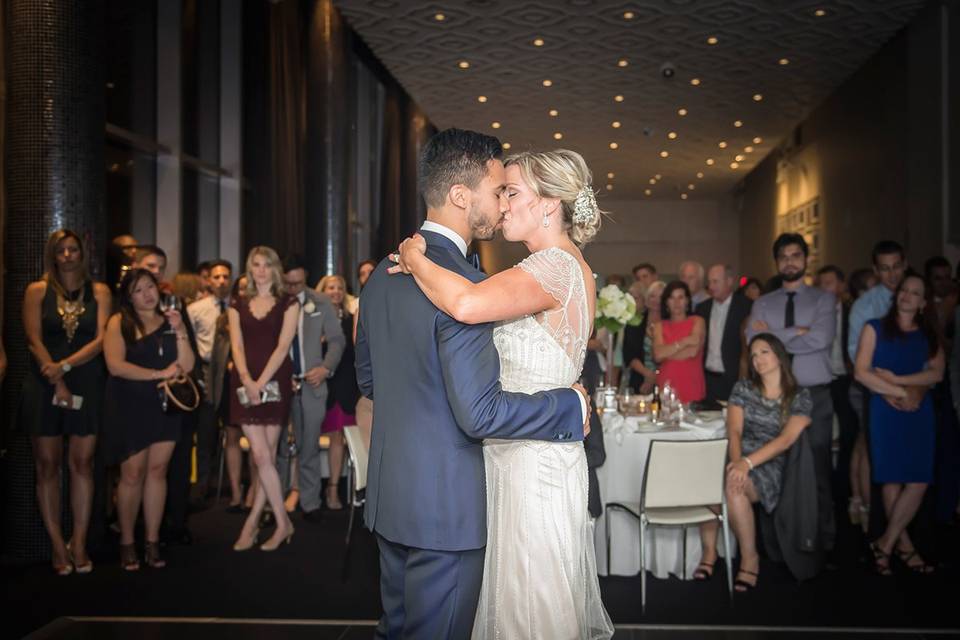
131,74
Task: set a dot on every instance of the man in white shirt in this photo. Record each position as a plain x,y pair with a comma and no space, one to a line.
724,314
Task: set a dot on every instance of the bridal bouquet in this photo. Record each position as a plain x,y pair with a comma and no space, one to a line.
616,309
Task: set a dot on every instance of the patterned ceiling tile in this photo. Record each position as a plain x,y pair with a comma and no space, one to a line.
583,40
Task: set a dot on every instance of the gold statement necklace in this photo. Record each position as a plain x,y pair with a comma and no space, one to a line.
70,312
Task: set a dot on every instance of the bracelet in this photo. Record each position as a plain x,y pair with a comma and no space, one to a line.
749,462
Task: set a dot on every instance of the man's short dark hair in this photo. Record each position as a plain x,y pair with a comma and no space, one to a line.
372,263
644,265
834,269
936,262
146,250
203,266
294,261
220,262
785,240
454,156
885,248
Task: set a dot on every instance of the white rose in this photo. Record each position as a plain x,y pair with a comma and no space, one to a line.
610,292
309,307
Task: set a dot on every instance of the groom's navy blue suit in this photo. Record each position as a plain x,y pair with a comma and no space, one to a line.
435,384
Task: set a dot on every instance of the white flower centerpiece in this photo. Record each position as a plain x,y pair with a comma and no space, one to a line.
616,309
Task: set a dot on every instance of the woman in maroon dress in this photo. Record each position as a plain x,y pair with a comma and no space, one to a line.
263,323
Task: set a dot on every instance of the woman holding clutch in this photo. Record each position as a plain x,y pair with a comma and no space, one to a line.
263,323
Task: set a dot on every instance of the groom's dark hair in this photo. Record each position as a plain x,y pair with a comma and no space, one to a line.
454,156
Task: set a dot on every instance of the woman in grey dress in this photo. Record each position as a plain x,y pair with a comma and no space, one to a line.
766,414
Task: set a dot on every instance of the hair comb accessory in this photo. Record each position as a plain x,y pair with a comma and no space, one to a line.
585,206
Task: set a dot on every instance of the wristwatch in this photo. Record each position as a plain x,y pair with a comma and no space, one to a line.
66,366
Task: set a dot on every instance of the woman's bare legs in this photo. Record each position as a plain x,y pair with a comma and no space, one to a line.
80,461
47,460
234,461
263,445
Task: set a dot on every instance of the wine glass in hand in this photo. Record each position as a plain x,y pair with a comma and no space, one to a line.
169,302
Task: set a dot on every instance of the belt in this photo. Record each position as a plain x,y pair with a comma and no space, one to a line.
715,374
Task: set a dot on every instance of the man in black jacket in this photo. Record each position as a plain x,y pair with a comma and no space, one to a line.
724,315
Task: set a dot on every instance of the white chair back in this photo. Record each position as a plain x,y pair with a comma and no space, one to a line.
684,473
357,448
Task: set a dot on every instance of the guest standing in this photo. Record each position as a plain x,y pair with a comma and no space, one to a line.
724,315
142,347
344,392
752,289
645,273
263,324
678,344
691,272
901,349
641,379
64,315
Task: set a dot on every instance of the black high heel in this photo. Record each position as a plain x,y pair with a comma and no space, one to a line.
743,586
881,560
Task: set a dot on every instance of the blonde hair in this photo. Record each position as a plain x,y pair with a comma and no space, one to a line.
348,299
560,174
273,260
51,273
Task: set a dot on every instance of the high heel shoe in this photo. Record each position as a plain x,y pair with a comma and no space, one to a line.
333,499
151,555
81,569
128,557
266,546
246,546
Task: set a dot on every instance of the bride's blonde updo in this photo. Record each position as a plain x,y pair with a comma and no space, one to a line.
564,175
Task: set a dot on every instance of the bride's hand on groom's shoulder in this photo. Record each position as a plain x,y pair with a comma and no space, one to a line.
409,248
579,388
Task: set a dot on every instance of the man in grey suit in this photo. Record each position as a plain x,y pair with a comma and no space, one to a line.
438,395
318,324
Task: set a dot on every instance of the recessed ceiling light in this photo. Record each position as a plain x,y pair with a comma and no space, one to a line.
439,17
738,123
748,149
615,124
495,125
628,15
553,113
722,144
614,145
652,181
700,174
538,42
609,187
658,176
784,62
610,176
757,140
712,40
506,145
734,165
672,135
710,161
548,83
463,64
820,13
757,97
691,186
647,192
695,81
557,136
664,153
481,98
618,98
683,196
740,157
681,111
622,62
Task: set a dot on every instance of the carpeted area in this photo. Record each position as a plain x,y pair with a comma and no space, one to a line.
314,579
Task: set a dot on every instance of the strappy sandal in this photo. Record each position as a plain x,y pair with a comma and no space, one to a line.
922,569
80,568
128,557
704,571
151,555
742,586
881,560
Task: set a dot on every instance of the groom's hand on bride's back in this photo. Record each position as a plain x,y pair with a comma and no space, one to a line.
579,388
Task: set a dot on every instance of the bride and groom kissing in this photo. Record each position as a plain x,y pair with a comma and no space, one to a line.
477,479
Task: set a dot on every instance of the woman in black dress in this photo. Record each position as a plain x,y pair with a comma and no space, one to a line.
64,314
142,347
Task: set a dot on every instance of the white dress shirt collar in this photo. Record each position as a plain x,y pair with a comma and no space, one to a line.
446,232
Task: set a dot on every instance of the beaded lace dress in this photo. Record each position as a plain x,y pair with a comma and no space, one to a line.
540,577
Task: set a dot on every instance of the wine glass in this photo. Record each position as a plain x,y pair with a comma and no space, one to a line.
169,302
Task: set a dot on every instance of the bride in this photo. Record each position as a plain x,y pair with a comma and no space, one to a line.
539,577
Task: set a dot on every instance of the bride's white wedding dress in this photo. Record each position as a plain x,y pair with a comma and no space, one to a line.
539,576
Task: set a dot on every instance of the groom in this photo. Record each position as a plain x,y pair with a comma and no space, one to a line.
438,395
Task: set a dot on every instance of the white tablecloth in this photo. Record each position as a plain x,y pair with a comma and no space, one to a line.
621,478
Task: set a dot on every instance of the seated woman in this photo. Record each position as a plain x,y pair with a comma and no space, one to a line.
767,413
678,344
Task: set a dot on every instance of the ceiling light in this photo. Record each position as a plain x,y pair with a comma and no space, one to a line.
628,15
618,98
672,135
699,174
622,62
615,124
506,145
691,186
481,98
538,42
757,140
664,153
548,83
553,113
738,123
610,176
658,176
647,192
748,149
652,181
463,64
614,145
712,40
740,157
710,161
722,144
734,165
820,13
683,196
495,125
558,136
757,97
695,81
609,187
681,111
439,17
784,62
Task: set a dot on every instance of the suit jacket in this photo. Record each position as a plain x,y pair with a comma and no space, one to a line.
633,338
436,387
320,320
731,344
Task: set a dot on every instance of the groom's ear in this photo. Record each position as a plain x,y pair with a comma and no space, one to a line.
459,196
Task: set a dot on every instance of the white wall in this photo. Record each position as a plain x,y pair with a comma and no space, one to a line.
663,233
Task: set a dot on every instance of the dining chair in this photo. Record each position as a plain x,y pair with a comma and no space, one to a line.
357,458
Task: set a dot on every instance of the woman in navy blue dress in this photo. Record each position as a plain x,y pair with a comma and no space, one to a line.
898,351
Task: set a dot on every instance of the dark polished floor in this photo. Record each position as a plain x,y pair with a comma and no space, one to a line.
313,587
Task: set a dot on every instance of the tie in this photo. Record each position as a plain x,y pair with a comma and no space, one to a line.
788,320
223,305
474,259
295,347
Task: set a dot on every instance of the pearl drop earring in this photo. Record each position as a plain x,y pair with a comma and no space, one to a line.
546,220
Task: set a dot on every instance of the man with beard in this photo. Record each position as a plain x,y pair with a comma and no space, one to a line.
804,319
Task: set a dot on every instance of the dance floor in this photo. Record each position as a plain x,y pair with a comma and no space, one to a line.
312,588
